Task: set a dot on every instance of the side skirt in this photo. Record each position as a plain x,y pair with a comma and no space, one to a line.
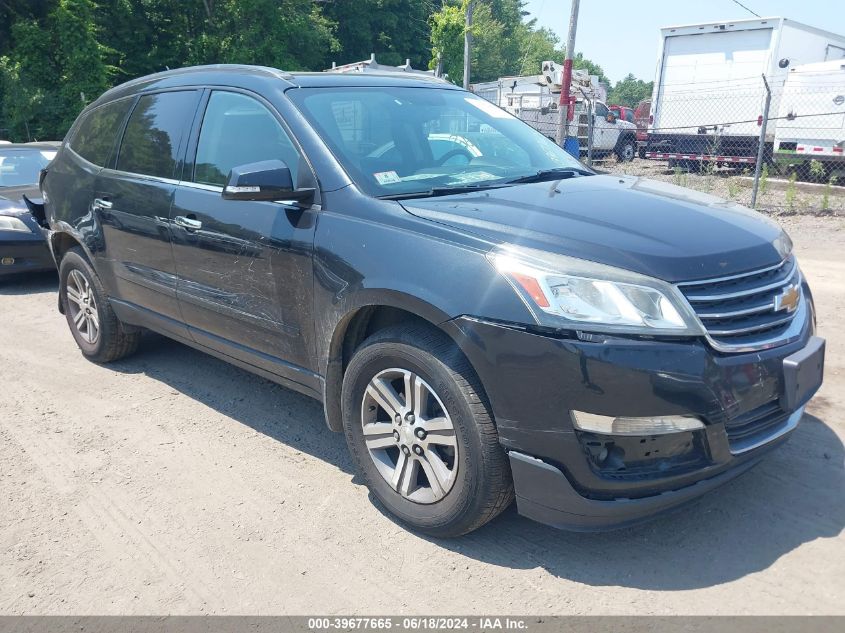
306,382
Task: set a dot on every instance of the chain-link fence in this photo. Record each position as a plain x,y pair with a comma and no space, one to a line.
777,145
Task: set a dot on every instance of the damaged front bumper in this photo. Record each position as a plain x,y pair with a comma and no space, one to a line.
569,478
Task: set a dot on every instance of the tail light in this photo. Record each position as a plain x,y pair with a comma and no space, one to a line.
651,118
760,121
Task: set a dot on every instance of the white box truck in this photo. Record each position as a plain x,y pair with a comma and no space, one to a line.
709,95
811,117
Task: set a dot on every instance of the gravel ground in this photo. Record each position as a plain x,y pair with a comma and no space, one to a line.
734,184
173,483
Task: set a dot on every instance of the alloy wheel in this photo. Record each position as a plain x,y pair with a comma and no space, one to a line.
83,306
409,435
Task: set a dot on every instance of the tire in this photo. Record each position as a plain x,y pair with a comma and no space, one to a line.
101,337
478,486
626,150
641,152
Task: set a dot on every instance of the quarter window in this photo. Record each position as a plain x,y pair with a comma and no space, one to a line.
151,142
238,130
95,136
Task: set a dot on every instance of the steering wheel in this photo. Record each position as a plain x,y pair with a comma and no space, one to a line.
460,151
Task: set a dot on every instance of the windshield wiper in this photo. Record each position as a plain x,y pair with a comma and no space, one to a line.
558,173
443,191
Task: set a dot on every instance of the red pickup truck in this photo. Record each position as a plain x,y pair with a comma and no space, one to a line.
638,117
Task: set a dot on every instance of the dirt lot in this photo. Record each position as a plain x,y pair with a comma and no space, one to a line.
174,483
777,194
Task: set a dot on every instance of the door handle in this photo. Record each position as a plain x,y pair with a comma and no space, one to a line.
187,223
102,203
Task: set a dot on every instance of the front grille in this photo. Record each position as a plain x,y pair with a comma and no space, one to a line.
756,424
745,311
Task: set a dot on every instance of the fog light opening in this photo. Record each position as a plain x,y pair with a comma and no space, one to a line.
623,425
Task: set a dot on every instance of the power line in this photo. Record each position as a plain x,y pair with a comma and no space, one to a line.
746,8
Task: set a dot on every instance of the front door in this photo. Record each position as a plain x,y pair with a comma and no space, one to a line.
244,268
605,134
133,204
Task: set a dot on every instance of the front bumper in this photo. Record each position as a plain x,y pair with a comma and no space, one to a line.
24,252
578,480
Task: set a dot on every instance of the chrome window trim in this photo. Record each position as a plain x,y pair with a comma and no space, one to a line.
129,174
201,185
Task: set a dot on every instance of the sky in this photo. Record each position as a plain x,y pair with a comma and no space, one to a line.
622,36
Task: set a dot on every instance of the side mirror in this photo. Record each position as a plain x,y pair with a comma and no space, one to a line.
265,180
611,118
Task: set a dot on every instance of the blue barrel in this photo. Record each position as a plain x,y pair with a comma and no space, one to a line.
570,145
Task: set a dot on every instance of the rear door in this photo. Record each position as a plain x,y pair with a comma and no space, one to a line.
244,267
133,202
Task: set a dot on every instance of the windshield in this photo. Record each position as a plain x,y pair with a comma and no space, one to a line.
20,167
394,141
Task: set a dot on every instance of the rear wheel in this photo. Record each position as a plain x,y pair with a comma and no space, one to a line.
99,334
421,434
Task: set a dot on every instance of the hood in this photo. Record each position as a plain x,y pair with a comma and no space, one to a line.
650,227
11,199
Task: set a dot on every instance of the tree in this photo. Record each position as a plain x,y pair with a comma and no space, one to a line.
395,30
53,66
504,44
630,91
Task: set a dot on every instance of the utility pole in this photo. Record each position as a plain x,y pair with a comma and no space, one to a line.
565,109
468,42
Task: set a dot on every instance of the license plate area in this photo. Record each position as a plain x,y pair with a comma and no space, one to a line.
802,374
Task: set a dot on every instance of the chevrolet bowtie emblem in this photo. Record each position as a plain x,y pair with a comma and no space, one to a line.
788,299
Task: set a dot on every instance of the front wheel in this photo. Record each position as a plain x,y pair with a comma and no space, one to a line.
420,432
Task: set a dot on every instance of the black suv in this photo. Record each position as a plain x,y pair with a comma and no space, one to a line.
482,315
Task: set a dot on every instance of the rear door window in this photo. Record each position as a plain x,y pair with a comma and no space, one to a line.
154,133
97,132
238,130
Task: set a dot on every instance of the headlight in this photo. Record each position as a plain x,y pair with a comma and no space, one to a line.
567,292
8,223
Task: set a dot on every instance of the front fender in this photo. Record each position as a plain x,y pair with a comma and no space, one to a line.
382,256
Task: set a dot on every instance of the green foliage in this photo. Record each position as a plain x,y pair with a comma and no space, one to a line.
58,55
447,40
763,186
504,44
817,170
826,195
395,30
791,193
630,91
733,187
54,66
680,177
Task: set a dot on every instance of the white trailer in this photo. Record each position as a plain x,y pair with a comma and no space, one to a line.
811,116
709,95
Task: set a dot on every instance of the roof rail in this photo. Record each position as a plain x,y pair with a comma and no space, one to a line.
372,66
